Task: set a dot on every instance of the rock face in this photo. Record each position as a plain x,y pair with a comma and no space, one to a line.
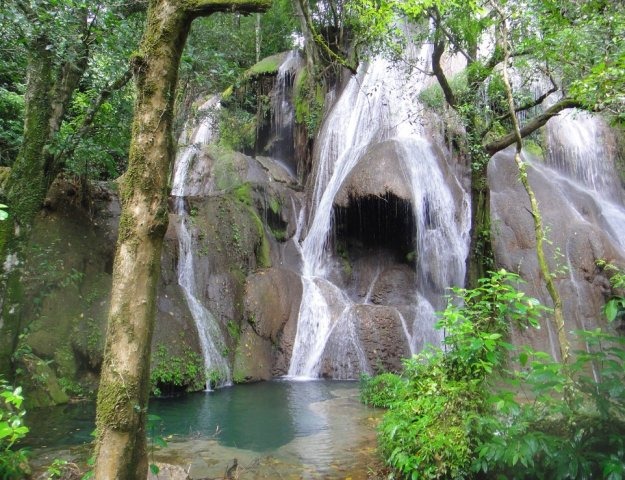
577,236
383,276
379,173
272,299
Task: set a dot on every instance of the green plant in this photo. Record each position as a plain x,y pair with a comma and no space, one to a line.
615,306
234,330
156,440
172,373
60,468
71,387
13,462
427,431
214,378
559,421
382,390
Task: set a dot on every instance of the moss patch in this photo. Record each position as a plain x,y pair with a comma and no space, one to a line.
309,102
267,66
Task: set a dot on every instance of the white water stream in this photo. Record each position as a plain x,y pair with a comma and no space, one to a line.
582,149
378,104
209,333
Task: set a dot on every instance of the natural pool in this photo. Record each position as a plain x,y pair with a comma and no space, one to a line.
278,429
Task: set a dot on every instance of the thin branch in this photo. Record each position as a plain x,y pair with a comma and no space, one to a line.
93,110
199,8
537,122
437,53
436,17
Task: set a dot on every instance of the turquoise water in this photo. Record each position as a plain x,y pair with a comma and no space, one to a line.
294,429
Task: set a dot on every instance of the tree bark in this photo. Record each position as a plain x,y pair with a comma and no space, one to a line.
539,121
121,452
26,185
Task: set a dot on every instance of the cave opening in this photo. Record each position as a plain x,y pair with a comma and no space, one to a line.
373,222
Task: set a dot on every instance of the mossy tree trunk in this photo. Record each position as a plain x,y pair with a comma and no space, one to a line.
26,184
25,188
124,385
48,93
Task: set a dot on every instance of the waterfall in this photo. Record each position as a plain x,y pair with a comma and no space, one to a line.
378,104
186,168
582,148
281,149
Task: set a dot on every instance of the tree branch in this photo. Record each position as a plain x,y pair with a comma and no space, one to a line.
534,103
435,16
200,8
89,117
533,125
437,53
321,43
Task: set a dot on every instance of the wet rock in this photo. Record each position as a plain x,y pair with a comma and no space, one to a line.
382,336
577,238
378,173
272,299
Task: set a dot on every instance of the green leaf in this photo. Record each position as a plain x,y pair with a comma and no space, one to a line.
523,358
611,309
160,442
154,469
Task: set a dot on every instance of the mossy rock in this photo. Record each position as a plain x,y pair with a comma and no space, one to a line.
252,358
40,383
266,66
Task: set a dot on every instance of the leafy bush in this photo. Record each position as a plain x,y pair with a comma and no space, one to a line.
173,373
428,431
553,420
569,422
382,390
13,463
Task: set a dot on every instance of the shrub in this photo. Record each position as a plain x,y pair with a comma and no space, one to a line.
13,462
428,431
176,373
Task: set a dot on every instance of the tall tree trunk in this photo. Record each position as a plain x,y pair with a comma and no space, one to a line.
124,383
123,393
480,256
25,190
26,185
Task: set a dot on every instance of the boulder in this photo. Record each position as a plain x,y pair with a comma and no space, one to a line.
379,172
272,299
578,237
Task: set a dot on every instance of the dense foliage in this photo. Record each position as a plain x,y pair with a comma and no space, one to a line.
448,419
13,462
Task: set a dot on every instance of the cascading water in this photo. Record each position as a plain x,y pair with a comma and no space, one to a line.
378,104
582,148
209,333
283,113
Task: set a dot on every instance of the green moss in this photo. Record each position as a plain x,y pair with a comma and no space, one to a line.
65,362
533,148
116,401
227,93
267,66
274,205
309,99
243,194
